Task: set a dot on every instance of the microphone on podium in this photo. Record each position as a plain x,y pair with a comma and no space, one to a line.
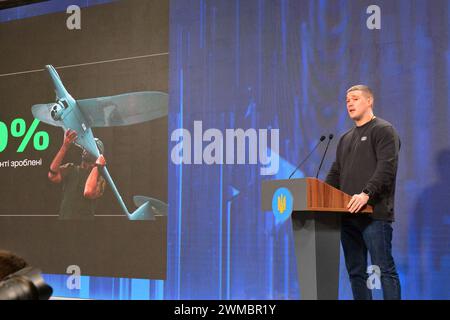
307,157
323,157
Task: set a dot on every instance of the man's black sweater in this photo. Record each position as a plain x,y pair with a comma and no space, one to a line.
366,158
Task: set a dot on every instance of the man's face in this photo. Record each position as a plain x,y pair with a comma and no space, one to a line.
358,104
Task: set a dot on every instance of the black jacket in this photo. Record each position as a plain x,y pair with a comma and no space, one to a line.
367,158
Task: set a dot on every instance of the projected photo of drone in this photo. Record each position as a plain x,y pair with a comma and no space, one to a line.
120,110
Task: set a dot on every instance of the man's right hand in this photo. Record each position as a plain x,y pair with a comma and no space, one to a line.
69,137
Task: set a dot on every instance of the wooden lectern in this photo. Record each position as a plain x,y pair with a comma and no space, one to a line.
316,224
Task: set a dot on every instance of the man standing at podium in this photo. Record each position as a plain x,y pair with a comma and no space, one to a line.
366,167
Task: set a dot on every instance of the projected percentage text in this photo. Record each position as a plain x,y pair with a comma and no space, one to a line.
18,129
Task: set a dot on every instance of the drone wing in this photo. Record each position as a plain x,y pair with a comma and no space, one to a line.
42,112
125,109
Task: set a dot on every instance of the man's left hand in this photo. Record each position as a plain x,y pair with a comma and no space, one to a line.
357,202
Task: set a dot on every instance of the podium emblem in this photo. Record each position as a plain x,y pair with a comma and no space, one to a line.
282,202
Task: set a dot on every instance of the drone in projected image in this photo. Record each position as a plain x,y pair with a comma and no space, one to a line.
120,110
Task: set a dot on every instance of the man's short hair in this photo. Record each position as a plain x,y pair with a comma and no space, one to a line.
10,263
